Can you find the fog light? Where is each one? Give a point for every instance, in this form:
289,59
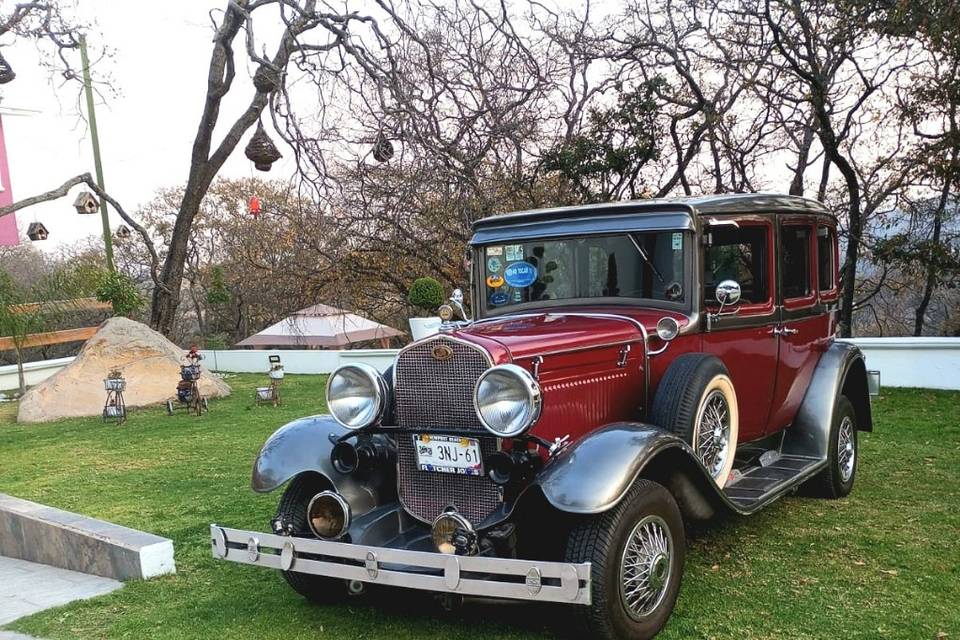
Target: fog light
328,515
453,534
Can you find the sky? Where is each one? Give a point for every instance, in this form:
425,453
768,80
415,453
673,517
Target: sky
160,56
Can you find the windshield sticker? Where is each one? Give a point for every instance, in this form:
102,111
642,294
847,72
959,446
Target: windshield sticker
494,264
499,298
495,282
514,252
519,274
517,295
677,242
494,251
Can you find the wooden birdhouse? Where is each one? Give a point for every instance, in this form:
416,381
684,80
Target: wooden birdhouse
123,232
36,231
86,203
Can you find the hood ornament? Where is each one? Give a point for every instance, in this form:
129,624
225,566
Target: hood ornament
453,315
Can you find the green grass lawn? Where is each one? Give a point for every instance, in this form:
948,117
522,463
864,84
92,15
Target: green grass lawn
884,563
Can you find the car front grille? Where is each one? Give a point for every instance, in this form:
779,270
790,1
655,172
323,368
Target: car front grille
434,394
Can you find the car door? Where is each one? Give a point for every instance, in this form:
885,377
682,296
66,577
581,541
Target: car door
803,321
742,337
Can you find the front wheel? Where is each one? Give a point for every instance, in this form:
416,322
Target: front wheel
292,513
636,551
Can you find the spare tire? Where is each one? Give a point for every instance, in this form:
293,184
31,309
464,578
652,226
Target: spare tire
696,400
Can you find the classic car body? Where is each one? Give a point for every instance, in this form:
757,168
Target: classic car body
640,399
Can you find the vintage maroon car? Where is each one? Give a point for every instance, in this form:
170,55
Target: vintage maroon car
631,366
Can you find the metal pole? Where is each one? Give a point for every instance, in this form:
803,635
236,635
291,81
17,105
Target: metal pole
95,139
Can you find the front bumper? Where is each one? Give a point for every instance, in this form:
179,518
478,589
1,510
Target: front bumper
465,575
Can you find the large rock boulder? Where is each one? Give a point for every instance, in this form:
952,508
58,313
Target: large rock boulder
149,362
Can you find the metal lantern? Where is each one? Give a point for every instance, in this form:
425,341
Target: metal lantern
86,203
261,150
382,148
123,232
36,231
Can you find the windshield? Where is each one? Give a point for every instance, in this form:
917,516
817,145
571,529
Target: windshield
646,265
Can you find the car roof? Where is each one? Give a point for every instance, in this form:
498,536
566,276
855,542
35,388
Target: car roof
745,203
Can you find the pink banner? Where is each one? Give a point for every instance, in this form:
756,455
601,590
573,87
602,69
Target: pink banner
8,223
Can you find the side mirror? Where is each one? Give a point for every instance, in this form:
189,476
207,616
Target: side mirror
728,293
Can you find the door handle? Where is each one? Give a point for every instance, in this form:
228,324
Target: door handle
783,331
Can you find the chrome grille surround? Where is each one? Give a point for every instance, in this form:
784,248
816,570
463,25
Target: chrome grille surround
433,395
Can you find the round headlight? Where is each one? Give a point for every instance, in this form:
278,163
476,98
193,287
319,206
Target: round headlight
356,395
507,400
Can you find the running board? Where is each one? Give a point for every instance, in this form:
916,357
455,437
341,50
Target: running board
760,485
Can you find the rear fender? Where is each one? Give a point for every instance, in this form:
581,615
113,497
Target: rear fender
303,446
593,474
841,371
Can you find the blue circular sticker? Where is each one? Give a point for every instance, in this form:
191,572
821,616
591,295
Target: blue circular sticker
499,298
494,265
520,274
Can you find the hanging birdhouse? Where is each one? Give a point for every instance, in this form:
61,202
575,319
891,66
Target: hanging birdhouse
7,74
123,232
266,80
36,231
255,207
86,203
382,148
261,150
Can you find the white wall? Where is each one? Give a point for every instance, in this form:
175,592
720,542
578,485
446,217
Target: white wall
296,360
933,363
33,372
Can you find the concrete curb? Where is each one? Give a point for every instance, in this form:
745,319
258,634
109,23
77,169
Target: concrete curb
34,532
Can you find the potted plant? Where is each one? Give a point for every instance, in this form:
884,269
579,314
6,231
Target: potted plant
114,381
426,294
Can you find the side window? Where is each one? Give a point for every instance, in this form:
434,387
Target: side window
739,254
795,261
826,258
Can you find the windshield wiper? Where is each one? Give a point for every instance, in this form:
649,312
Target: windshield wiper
646,258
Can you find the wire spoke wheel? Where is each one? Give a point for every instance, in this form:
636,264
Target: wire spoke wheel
645,567
846,449
712,436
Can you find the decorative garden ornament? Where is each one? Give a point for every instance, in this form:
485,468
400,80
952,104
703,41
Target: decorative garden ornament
36,231
261,150
382,148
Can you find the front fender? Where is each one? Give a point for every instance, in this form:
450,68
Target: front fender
595,472
303,446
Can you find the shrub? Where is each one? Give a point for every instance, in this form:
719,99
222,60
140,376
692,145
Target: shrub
121,292
426,294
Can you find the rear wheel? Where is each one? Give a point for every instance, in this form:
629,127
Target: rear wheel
836,480
696,400
292,512
636,551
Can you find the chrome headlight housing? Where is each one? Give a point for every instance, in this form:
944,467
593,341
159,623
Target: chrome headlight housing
357,395
507,400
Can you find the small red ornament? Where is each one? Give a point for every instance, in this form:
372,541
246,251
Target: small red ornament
255,207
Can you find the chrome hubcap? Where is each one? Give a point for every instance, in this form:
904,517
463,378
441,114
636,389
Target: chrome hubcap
712,438
846,450
645,567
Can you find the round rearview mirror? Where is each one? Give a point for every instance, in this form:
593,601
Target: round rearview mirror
728,292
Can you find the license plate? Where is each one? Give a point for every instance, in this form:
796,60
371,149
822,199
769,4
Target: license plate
448,454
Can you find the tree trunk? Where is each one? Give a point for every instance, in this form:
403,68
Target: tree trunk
931,279
20,375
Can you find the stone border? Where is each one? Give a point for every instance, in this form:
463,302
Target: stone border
38,533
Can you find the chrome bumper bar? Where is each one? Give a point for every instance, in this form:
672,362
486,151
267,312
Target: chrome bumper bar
466,575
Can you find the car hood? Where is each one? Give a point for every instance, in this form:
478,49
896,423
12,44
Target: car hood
531,334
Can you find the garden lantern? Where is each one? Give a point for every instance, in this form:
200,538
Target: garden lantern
86,203
255,208
36,231
123,232
261,150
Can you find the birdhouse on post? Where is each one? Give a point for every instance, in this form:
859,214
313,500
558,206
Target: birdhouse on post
36,231
123,232
86,203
